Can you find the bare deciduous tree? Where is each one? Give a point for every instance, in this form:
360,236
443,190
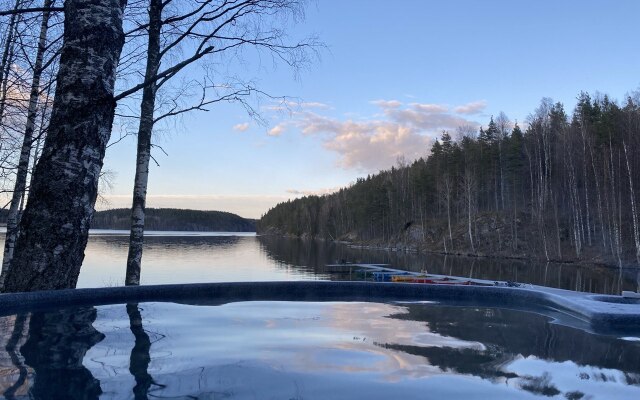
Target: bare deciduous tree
27,144
206,29
54,228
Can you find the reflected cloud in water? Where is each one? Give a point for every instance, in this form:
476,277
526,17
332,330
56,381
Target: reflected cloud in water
310,350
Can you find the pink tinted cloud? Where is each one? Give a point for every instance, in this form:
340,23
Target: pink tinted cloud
474,107
401,130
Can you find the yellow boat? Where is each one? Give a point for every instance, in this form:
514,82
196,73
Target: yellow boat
406,278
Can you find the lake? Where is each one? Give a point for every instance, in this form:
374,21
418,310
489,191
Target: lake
179,257
309,350
298,350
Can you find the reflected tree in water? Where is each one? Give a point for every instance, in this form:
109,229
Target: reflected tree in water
12,350
508,335
58,341
541,385
140,354
313,255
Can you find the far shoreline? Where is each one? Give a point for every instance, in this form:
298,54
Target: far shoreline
414,250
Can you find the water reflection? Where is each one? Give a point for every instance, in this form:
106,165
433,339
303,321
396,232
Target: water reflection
55,349
316,254
309,350
16,387
140,354
219,257
510,334
185,258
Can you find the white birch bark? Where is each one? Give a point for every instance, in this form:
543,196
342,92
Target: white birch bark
25,152
469,194
54,228
634,213
143,156
7,56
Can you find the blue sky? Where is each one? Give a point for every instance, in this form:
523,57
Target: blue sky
392,76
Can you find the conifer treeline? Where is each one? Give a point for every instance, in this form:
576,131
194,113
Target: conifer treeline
564,188
169,219
175,219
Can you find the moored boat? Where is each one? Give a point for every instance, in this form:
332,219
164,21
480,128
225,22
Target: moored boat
434,280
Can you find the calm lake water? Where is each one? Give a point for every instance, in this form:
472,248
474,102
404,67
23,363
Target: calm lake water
177,257
298,350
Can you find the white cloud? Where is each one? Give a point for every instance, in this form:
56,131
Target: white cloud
372,144
429,117
430,108
474,107
276,130
367,145
387,103
241,127
314,104
376,145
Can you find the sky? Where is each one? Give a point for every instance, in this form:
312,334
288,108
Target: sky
392,75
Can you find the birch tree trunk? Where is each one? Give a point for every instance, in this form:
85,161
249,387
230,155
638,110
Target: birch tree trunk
54,228
143,155
586,193
634,213
25,152
447,192
469,194
596,179
7,56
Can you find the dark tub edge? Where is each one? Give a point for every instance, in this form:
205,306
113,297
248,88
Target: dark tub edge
601,317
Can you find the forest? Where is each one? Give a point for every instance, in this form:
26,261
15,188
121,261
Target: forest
174,219
561,187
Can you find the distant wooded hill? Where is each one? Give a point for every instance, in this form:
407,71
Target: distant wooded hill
172,219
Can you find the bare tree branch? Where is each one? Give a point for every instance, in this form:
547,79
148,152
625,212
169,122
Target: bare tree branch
30,10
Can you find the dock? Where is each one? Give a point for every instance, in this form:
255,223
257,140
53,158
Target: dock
602,313
384,273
